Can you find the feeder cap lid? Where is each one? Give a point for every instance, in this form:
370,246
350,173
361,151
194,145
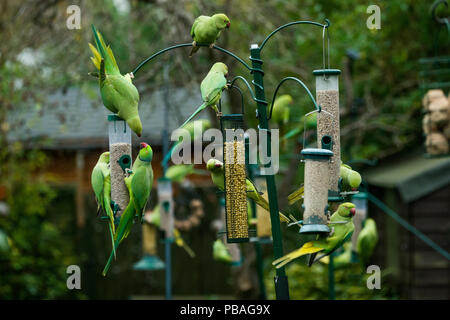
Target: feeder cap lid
327,72
114,117
317,154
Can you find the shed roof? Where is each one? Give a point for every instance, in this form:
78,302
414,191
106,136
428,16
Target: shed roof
70,119
414,174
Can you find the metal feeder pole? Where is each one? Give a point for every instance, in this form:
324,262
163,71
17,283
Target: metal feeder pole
281,280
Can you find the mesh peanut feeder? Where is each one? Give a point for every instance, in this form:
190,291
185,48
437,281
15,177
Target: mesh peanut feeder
327,96
235,178
317,175
120,161
166,202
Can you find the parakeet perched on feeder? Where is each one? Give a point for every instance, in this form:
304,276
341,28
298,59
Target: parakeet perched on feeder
217,175
206,30
351,179
367,240
211,89
101,184
341,225
196,129
220,252
139,184
119,94
155,219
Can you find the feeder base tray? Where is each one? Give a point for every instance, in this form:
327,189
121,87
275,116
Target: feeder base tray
149,263
314,228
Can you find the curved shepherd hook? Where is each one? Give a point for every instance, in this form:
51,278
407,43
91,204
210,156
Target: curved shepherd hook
439,20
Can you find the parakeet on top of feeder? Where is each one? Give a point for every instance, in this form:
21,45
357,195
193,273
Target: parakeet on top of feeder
217,171
341,226
139,184
206,30
211,89
119,94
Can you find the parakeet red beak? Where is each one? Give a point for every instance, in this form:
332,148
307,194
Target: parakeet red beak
228,25
138,134
143,145
353,211
218,165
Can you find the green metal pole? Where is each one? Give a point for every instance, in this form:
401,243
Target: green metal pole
281,281
331,290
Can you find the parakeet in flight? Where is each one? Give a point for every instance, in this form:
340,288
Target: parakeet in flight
206,30
342,227
101,184
119,94
211,89
217,175
139,184
179,172
351,179
367,240
196,129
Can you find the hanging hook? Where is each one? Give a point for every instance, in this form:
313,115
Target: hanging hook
439,20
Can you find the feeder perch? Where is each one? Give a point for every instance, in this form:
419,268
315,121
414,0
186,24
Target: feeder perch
120,161
235,178
166,201
327,96
150,260
317,172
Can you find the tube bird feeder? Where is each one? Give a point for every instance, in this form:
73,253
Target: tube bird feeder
165,200
317,175
328,132
120,161
150,260
235,178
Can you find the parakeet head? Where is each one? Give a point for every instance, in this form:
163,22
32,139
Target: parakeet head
214,165
220,67
221,21
146,152
347,210
135,125
104,157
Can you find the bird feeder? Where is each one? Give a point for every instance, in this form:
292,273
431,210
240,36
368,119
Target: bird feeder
150,260
120,161
327,96
263,224
317,176
166,202
235,178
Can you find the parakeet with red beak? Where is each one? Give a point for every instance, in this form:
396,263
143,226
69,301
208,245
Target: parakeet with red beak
211,88
119,95
139,184
342,227
216,168
206,30
351,179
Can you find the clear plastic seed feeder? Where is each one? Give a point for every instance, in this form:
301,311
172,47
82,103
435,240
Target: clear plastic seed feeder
327,96
317,174
165,200
120,161
235,178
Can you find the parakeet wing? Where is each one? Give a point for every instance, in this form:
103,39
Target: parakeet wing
97,179
140,186
212,86
195,24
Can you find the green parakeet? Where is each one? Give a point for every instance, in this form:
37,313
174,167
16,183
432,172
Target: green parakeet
196,129
139,184
305,123
296,195
351,179
340,260
155,219
216,168
281,110
206,30
367,240
341,225
101,184
118,93
220,252
211,88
